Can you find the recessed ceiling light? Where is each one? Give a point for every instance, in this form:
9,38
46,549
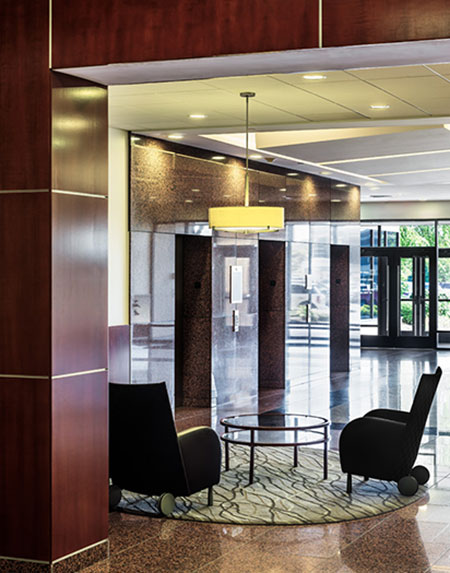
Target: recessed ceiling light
188,201
380,106
195,190
292,174
198,116
341,186
175,136
336,200
218,157
314,77
283,189
255,156
261,201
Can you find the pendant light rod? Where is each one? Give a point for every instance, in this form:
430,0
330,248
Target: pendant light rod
247,95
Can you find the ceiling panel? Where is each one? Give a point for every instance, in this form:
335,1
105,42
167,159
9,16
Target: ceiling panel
443,69
420,92
359,96
299,79
386,165
436,177
430,191
388,73
360,147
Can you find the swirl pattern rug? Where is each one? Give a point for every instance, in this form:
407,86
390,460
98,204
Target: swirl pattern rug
281,494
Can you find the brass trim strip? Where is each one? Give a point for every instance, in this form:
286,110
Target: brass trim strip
7,191
82,550
50,18
25,560
25,376
70,374
79,193
320,23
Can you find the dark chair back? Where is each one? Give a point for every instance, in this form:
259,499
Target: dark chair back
144,455
419,414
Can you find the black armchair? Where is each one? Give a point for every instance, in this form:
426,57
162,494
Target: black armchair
384,443
147,456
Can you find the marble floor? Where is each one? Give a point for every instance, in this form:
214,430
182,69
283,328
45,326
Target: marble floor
411,540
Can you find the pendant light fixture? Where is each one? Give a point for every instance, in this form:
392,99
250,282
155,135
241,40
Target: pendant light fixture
246,219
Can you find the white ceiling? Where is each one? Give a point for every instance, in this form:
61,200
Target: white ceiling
324,126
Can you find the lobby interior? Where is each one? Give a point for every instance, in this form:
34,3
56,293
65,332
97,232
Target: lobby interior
103,226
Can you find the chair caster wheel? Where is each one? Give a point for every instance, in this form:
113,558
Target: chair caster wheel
115,495
421,474
408,485
166,503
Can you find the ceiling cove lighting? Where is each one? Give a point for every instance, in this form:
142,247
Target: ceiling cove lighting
314,77
246,219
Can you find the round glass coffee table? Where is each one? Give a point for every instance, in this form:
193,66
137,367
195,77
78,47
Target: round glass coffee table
275,430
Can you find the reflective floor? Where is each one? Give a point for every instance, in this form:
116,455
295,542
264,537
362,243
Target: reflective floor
413,539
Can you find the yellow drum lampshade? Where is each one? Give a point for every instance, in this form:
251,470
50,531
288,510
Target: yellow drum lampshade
241,219
246,218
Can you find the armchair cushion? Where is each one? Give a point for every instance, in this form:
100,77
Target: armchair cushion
369,447
201,453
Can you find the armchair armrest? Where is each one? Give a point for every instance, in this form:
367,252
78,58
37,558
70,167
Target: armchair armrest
201,453
372,447
396,415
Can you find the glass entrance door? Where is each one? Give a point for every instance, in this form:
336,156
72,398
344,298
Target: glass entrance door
414,294
398,297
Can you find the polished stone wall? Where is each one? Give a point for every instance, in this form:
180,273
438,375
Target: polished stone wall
172,187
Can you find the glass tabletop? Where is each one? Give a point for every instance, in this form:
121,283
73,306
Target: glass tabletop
274,421
275,438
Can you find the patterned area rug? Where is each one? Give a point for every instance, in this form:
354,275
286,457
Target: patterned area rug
281,494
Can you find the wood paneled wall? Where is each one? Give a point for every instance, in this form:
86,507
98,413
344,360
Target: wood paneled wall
24,95
79,314
53,294
118,31
92,33
356,22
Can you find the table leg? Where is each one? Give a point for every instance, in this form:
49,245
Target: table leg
252,456
227,453
325,453
296,450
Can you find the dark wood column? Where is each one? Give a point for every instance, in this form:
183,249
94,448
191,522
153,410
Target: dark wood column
53,294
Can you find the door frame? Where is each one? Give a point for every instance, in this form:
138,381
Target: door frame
394,339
